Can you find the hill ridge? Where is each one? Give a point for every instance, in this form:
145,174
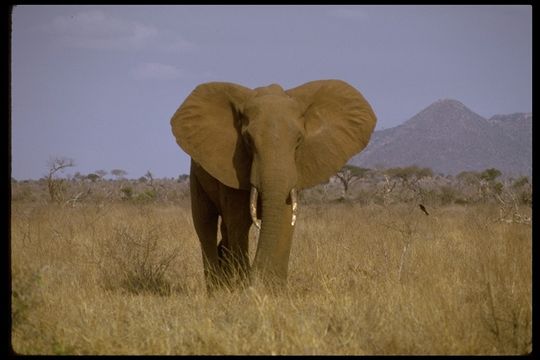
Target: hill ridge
449,138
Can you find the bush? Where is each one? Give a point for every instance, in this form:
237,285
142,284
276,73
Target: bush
127,193
133,261
409,172
147,196
447,194
520,182
490,174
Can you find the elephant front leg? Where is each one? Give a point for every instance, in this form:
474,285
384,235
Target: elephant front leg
233,249
233,254
207,234
205,219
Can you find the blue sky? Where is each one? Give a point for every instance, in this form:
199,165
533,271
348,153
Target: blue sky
99,84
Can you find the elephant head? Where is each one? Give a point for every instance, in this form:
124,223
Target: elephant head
273,142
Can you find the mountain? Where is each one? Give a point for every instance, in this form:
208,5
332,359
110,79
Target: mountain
449,138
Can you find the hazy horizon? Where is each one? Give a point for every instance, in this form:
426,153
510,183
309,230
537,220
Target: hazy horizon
99,84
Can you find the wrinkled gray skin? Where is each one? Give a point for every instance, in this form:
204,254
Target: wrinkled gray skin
268,143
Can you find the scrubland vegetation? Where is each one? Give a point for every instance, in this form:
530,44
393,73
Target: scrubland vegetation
114,267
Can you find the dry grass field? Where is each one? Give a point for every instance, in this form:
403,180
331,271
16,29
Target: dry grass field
125,278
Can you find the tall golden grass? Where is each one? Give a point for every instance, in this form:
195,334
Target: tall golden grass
363,279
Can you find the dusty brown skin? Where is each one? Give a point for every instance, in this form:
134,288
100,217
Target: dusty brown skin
267,139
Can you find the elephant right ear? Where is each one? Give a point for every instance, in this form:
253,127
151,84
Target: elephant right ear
206,127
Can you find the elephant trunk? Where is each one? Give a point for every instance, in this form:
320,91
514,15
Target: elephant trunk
275,238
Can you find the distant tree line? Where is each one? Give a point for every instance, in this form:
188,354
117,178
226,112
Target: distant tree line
403,184
352,184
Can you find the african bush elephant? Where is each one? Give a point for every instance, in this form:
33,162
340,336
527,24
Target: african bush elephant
251,151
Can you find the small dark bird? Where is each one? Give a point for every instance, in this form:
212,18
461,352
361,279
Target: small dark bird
423,208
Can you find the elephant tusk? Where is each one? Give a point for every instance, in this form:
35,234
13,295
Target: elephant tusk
294,202
253,207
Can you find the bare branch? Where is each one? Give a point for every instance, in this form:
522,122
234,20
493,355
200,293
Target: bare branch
58,164
56,186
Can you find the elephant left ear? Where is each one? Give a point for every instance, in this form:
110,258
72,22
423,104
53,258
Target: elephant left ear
338,123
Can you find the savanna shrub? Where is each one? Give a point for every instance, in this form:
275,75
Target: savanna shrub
134,261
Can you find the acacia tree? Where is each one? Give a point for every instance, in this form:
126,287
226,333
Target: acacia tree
100,173
408,178
488,183
409,174
93,177
484,182
349,174
55,185
490,174
118,173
